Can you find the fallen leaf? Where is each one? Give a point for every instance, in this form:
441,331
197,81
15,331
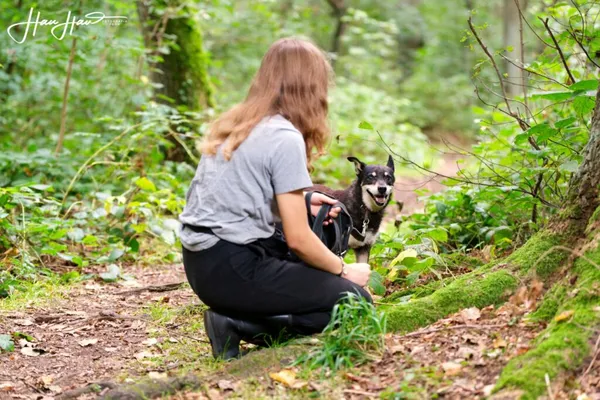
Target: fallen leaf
150,341
7,387
173,340
563,316
46,380
451,368
31,352
499,342
87,342
143,354
55,388
111,349
285,376
399,348
24,322
522,349
157,375
224,384
465,352
470,314
416,350
487,390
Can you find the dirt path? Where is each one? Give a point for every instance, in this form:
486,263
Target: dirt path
405,186
98,332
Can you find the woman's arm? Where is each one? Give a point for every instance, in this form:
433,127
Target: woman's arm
306,245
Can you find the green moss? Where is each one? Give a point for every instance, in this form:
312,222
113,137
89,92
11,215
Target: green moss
458,260
563,345
596,216
531,253
549,305
261,361
471,290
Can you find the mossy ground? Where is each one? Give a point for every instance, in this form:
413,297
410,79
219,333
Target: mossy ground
566,341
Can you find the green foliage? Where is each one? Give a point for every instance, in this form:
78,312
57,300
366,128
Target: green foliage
355,332
6,343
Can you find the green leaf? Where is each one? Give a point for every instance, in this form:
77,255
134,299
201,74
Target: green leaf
21,335
409,253
40,187
6,343
563,123
521,138
569,166
366,126
591,84
115,254
554,96
437,234
584,104
112,273
145,184
376,283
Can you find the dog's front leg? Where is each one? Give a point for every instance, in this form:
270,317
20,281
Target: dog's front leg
362,254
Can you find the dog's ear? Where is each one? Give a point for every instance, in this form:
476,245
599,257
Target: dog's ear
359,166
390,163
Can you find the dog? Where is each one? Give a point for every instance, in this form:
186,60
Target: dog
366,199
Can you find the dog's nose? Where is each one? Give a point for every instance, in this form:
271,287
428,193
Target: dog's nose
382,189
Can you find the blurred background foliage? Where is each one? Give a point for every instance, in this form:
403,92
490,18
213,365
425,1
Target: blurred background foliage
103,182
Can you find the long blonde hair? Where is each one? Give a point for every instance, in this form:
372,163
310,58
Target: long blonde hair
292,80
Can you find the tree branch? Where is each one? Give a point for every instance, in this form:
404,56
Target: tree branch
562,56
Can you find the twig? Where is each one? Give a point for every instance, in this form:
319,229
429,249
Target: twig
589,368
445,328
562,56
63,112
158,288
91,387
362,393
487,52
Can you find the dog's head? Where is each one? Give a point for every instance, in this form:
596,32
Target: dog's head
376,183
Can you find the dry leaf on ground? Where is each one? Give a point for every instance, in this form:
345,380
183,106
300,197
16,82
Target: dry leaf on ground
285,376
87,342
470,314
563,316
451,368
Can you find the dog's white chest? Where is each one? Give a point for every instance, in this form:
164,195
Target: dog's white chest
370,238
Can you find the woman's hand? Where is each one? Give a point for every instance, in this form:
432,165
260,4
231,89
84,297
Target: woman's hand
317,200
358,273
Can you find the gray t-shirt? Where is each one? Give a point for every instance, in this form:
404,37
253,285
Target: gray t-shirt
236,198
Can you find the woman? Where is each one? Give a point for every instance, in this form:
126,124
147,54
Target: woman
252,174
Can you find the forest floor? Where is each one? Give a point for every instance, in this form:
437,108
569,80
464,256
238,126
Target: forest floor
124,332
97,332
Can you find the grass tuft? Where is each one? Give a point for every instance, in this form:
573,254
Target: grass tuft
355,333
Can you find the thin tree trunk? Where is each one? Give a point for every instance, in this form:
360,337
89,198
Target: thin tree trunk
512,39
63,112
339,10
182,73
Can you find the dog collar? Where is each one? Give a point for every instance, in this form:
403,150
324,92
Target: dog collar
360,236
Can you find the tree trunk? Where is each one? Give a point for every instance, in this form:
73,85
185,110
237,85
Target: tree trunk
182,72
512,40
339,10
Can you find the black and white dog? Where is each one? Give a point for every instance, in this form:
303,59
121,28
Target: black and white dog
366,199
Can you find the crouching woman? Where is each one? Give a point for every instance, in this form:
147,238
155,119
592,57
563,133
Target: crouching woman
252,174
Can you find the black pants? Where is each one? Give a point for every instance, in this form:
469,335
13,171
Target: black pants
254,280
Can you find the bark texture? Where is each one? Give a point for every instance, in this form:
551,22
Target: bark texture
180,63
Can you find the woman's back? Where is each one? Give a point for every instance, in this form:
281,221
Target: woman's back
235,198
